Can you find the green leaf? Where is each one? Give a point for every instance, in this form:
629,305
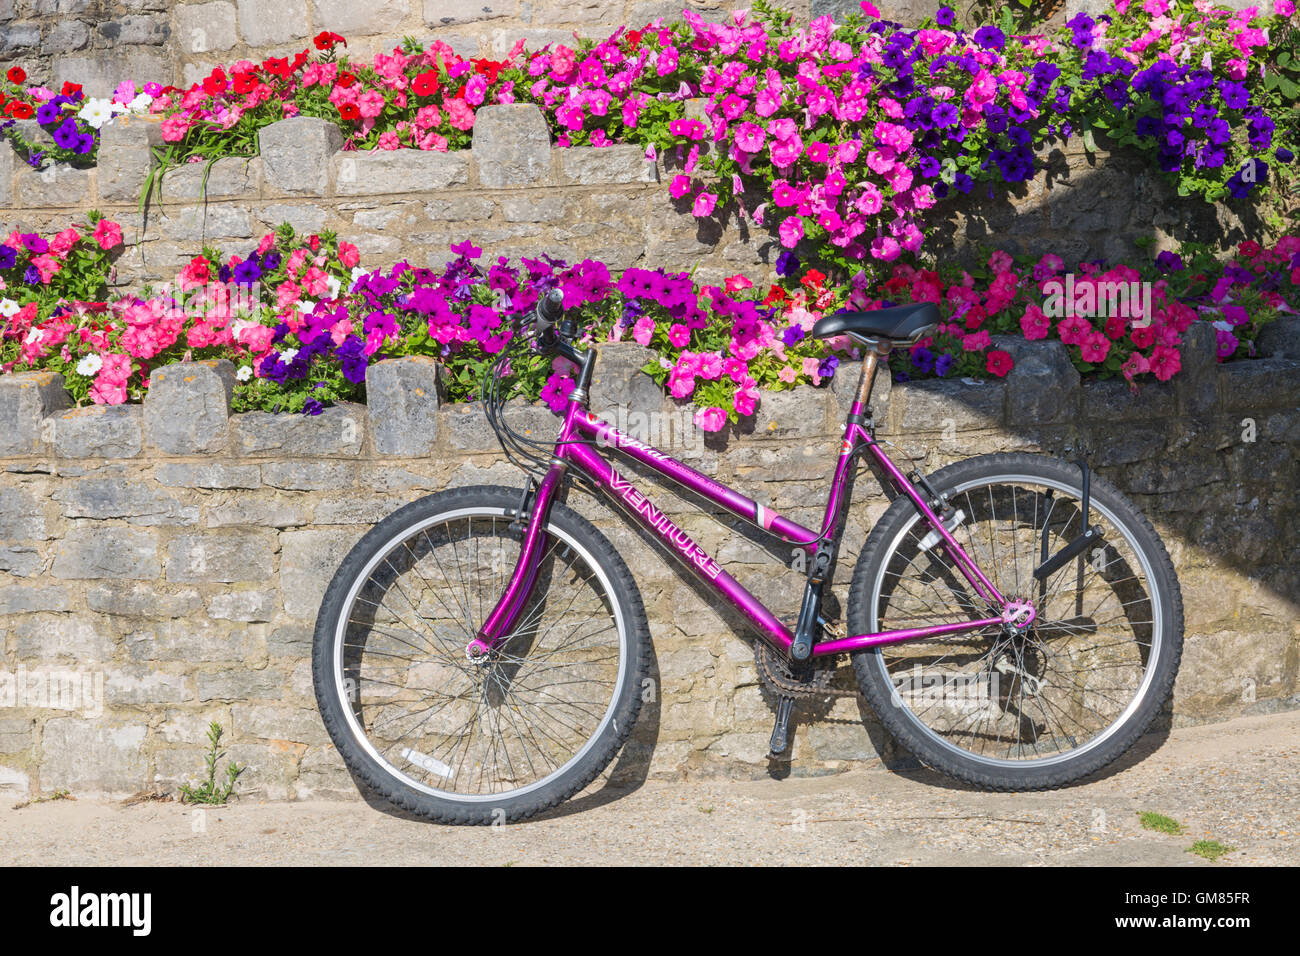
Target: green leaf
1089,143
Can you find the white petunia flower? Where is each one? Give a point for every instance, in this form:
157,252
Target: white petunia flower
245,373
334,286
90,365
306,306
96,112
32,336
141,103
288,355
8,307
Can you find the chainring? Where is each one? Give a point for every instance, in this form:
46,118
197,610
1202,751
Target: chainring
793,679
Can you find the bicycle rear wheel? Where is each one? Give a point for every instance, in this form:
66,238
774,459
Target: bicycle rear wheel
1006,710
489,740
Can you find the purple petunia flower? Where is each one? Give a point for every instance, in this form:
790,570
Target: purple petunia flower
946,17
945,114
1170,262
990,38
943,364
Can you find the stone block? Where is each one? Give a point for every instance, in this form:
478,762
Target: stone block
22,599
206,221
109,553
21,517
1279,339
187,407
231,176
55,185
296,153
85,756
246,606
939,404
308,560
80,637
125,157
402,399
206,27
392,172
445,13
605,165
352,19
269,22
336,432
512,146
26,400
225,556
1043,385
197,639
186,475
142,600
137,502
99,431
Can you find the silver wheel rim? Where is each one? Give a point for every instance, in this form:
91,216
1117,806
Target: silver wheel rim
1156,643
363,740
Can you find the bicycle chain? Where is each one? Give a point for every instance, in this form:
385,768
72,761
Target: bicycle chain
783,678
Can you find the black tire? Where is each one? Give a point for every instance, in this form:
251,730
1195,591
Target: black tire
865,604
340,716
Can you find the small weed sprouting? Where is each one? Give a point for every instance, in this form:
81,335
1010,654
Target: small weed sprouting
209,791
59,794
1209,849
1160,823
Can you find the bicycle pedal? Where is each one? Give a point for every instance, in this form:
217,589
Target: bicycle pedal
781,729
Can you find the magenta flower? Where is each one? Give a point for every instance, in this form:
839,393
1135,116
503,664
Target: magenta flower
710,419
749,137
704,204
791,231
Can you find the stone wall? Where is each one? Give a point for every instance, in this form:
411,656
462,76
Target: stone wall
176,554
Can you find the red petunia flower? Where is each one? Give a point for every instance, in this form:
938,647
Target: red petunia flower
349,112
998,362
325,40
245,82
216,82
277,66
346,79
426,84
19,110
16,74
71,89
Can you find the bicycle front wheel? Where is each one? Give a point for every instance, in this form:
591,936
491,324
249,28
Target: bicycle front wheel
486,740
1004,708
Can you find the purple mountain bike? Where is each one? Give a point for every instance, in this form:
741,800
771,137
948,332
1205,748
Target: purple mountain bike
482,653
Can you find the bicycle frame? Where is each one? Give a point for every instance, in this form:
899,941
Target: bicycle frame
574,449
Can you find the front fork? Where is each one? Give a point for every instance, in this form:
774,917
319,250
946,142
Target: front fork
503,617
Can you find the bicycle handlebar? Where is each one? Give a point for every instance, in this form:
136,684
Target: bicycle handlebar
549,310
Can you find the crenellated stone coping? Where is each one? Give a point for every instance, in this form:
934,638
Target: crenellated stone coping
186,411
302,157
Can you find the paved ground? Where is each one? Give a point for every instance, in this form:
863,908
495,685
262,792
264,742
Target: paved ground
1237,782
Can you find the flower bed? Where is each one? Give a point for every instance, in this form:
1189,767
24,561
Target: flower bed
843,135
303,320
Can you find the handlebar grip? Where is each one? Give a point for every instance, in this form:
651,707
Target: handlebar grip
549,310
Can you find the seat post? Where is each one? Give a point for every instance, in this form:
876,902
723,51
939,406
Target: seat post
877,349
